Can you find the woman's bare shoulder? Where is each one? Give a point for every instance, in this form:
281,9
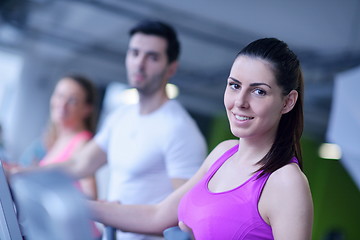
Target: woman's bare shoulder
290,184
287,193
288,175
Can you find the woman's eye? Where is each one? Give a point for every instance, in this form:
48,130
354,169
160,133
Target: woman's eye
234,85
73,101
260,92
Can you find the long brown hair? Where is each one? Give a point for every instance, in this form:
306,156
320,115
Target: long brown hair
288,74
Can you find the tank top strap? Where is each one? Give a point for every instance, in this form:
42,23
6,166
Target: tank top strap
84,135
294,160
217,164
80,136
262,180
69,148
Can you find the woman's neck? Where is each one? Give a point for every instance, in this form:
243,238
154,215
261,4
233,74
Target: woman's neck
253,150
66,131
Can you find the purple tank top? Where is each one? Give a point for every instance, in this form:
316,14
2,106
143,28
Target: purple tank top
230,215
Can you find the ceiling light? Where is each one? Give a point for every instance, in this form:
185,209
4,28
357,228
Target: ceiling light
330,151
172,90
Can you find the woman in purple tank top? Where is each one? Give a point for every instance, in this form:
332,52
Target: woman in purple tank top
251,187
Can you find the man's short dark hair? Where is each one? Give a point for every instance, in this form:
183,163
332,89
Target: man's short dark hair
163,30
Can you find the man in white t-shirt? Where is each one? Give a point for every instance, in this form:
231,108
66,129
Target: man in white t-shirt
152,147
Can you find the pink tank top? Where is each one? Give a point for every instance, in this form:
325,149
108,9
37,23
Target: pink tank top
69,149
230,215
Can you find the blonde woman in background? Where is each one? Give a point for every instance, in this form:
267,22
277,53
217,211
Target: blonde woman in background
72,123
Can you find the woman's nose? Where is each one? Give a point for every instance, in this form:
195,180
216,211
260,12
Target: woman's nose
242,100
62,105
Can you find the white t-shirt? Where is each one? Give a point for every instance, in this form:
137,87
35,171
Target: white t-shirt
145,151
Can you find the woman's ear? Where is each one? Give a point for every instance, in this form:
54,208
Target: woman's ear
290,101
